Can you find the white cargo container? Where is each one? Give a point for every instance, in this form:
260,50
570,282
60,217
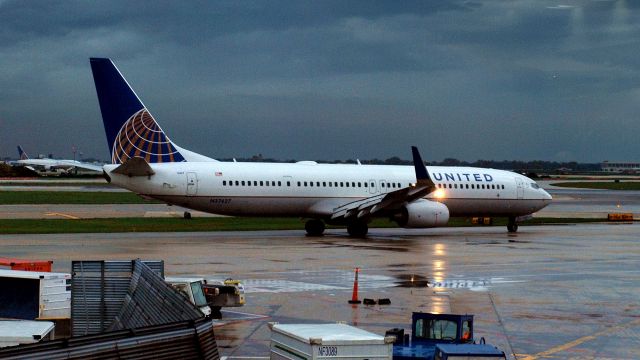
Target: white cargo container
327,341
31,295
18,332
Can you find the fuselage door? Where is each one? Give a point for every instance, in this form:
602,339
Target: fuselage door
192,184
519,188
382,186
372,186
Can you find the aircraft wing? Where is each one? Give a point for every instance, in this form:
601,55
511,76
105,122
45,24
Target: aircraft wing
64,164
394,200
78,164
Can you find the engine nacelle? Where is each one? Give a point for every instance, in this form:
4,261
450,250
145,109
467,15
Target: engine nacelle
422,214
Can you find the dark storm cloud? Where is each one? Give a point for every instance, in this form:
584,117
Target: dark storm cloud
332,79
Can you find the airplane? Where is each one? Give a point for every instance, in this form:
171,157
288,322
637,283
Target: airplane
52,164
145,161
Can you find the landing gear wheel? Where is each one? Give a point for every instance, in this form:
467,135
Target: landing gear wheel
187,215
314,227
357,229
512,225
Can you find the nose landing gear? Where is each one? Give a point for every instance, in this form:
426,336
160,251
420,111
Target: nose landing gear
512,225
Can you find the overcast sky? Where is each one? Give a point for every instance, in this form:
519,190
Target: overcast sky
321,80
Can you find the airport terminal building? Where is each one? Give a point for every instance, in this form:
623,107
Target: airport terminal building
620,167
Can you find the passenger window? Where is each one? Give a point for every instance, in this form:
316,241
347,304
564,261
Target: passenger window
382,184
353,184
359,184
330,183
467,186
455,186
243,183
298,183
341,184
237,183
450,186
366,185
311,183
502,187
347,183
255,183
388,185
399,185
324,184
373,184
224,182
305,183
248,183
262,184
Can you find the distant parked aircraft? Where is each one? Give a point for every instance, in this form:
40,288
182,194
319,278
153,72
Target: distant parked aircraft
52,164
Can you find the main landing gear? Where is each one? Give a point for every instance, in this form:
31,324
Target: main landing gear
314,227
357,229
512,225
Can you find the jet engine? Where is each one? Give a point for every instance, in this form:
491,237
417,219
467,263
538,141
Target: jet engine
422,214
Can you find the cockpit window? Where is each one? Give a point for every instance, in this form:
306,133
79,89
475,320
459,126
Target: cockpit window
535,186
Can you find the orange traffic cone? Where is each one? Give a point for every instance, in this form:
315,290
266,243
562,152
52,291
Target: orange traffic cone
354,297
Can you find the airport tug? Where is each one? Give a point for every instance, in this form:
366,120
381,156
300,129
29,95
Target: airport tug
441,337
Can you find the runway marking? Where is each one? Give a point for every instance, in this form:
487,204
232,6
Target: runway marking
63,215
579,341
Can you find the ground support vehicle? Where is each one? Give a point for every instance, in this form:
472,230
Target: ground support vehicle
219,294
440,337
192,289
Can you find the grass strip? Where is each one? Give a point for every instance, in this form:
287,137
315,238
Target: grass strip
605,185
112,225
25,184
70,197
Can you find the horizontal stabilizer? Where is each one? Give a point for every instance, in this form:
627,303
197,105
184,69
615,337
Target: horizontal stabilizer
135,166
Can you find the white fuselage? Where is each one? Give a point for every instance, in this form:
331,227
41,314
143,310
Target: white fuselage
307,189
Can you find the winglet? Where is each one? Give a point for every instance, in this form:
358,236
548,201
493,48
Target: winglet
418,164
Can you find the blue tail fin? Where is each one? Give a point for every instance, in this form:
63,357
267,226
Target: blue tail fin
131,130
22,154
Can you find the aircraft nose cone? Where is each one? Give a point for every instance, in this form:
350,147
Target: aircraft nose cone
546,196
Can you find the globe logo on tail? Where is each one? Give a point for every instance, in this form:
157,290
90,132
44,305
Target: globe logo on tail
140,136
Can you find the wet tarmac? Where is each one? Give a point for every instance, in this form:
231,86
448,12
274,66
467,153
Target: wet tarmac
559,292
591,203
